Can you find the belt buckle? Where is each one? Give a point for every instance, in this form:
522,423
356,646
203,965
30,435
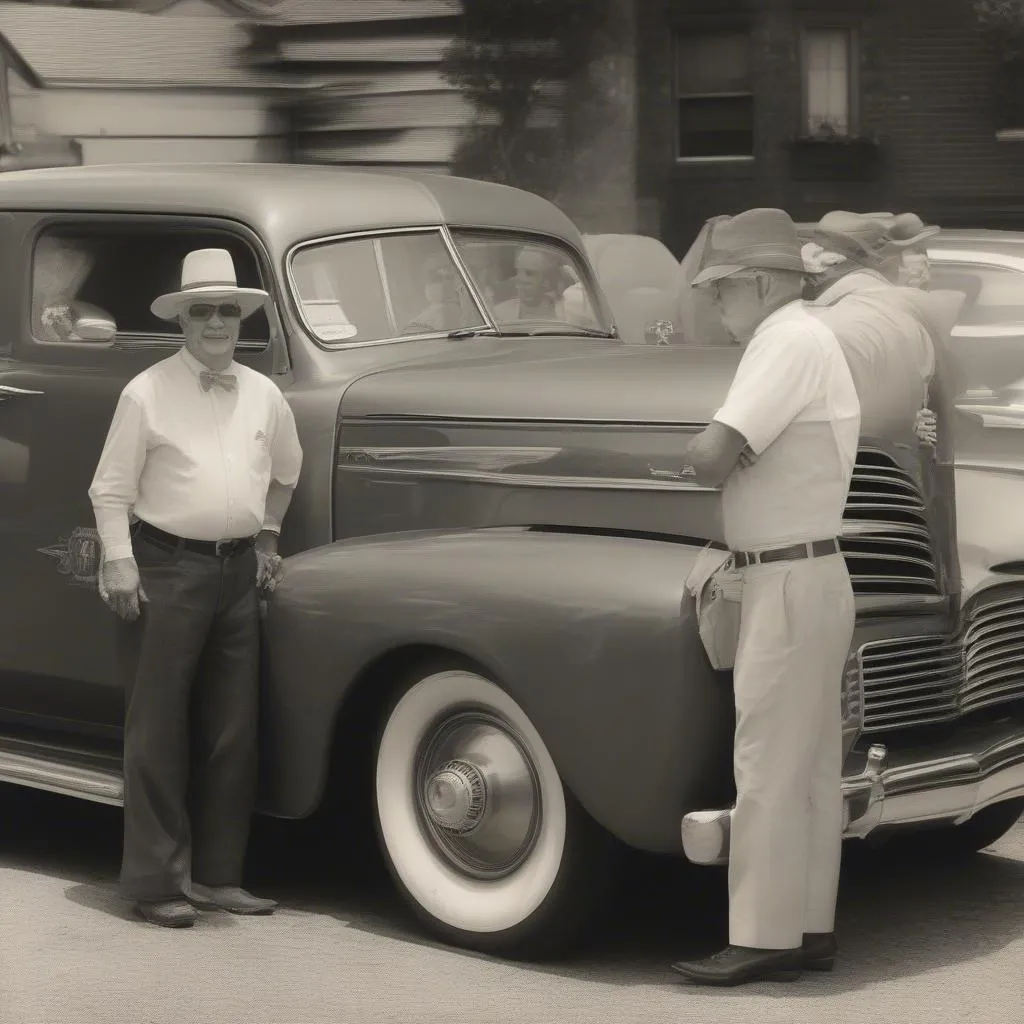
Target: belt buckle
222,548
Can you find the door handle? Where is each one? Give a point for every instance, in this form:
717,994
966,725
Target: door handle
9,391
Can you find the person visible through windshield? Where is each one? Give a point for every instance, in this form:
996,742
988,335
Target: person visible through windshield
534,282
448,302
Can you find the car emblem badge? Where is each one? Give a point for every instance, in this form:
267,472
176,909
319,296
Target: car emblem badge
77,555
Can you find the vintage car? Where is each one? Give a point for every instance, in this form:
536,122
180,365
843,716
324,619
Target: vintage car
483,623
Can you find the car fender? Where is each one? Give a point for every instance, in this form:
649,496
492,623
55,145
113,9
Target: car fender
593,635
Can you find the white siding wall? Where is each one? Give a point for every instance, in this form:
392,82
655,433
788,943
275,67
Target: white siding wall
141,125
151,112
184,151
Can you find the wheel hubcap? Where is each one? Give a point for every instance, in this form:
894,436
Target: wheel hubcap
478,795
457,797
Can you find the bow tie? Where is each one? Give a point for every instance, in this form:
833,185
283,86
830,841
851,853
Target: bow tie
227,381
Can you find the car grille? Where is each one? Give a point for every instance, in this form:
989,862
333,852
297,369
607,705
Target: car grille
885,538
924,680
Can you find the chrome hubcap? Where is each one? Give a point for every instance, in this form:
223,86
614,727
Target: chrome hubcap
478,795
457,797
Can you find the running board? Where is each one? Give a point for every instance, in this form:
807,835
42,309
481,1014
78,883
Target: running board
68,771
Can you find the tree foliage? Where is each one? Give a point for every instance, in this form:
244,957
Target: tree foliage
515,60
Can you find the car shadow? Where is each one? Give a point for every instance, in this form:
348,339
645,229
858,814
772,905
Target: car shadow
896,918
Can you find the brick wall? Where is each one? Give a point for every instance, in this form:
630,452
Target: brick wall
939,111
926,87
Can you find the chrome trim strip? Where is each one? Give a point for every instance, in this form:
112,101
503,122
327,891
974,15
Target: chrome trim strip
530,479
478,299
68,780
389,306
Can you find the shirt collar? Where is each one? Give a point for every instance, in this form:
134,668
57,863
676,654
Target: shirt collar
859,281
782,313
195,367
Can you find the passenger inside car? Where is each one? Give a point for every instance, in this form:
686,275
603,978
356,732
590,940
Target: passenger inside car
537,296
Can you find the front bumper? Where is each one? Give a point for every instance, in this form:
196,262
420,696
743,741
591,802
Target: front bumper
943,784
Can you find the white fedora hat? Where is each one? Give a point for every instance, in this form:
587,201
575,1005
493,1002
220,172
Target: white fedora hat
208,275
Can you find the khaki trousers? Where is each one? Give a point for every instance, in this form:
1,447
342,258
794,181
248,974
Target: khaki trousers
795,632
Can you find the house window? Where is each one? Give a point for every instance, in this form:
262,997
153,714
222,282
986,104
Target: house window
714,96
828,69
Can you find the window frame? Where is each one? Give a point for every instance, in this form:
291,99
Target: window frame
445,230
6,114
126,341
734,28
853,104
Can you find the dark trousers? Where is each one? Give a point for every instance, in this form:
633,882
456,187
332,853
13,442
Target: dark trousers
190,665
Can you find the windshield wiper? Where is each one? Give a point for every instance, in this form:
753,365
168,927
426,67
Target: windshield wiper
552,332
585,332
545,332
473,332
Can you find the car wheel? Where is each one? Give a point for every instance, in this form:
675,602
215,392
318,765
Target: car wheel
975,834
487,845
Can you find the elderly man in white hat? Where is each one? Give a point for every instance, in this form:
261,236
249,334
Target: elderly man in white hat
782,447
197,472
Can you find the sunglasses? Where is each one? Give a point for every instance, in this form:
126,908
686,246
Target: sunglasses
205,310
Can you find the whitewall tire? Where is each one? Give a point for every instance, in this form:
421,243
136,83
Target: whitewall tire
486,844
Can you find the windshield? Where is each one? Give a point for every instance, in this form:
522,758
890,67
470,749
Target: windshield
525,281
403,284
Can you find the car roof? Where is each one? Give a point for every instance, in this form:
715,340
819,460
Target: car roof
983,240
286,203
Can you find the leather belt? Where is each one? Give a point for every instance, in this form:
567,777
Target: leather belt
216,548
812,549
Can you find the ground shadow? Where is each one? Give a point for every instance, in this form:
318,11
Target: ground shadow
897,917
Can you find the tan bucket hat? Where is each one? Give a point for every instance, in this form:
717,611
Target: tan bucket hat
761,239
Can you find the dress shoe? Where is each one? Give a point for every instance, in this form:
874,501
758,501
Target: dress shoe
736,965
167,913
231,898
819,951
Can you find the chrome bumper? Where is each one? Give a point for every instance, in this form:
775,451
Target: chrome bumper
945,784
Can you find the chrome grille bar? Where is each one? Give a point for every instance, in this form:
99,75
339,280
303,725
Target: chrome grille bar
885,538
927,680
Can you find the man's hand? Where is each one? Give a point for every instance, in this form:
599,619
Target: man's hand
269,567
121,589
747,457
926,428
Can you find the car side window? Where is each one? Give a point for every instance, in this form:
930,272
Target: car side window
375,288
995,295
87,275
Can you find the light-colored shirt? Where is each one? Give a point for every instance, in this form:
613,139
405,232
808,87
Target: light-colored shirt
195,463
794,401
887,347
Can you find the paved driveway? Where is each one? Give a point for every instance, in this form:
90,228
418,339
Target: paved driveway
921,943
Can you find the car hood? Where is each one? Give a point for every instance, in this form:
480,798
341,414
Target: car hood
534,379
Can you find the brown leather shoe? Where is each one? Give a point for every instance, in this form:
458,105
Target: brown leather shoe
231,898
175,913
736,965
819,951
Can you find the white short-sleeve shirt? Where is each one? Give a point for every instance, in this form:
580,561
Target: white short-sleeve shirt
794,401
